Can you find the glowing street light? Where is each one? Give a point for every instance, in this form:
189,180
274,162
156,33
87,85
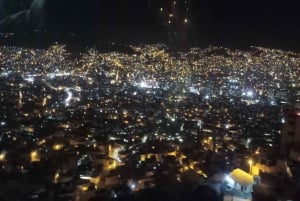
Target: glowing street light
257,152
56,178
57,147
2,156
250,165
34,156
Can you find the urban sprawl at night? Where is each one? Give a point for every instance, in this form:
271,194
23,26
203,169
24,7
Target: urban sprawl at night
143,123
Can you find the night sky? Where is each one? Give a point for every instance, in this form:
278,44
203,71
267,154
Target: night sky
228,23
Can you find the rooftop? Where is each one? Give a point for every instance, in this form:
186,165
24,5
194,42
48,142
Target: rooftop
242,177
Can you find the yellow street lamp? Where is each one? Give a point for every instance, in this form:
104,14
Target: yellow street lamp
56,177
34,155
57,147
2,156
250,165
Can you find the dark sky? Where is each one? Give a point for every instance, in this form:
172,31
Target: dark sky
229,23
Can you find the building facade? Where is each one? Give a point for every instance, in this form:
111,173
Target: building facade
290,139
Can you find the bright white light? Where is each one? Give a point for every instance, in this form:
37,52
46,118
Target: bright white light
229,180
250,93
85,177
199,123
51,75
144,139
69,97
132,186
147,84
5,74
144,84
182,127
29,79
194,90
248,141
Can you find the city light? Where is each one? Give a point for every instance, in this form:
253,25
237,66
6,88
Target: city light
34,156
250,162
57,147
84,188
132,186
56,178
257,151
68,98
144,84
109,112
85,177
2,156
249,93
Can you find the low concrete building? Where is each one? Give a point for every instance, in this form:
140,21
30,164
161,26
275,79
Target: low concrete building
238,186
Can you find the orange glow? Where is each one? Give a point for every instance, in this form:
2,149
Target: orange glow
56,177
2,156
34,156
57,147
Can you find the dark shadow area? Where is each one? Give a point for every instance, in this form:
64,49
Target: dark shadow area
229,24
